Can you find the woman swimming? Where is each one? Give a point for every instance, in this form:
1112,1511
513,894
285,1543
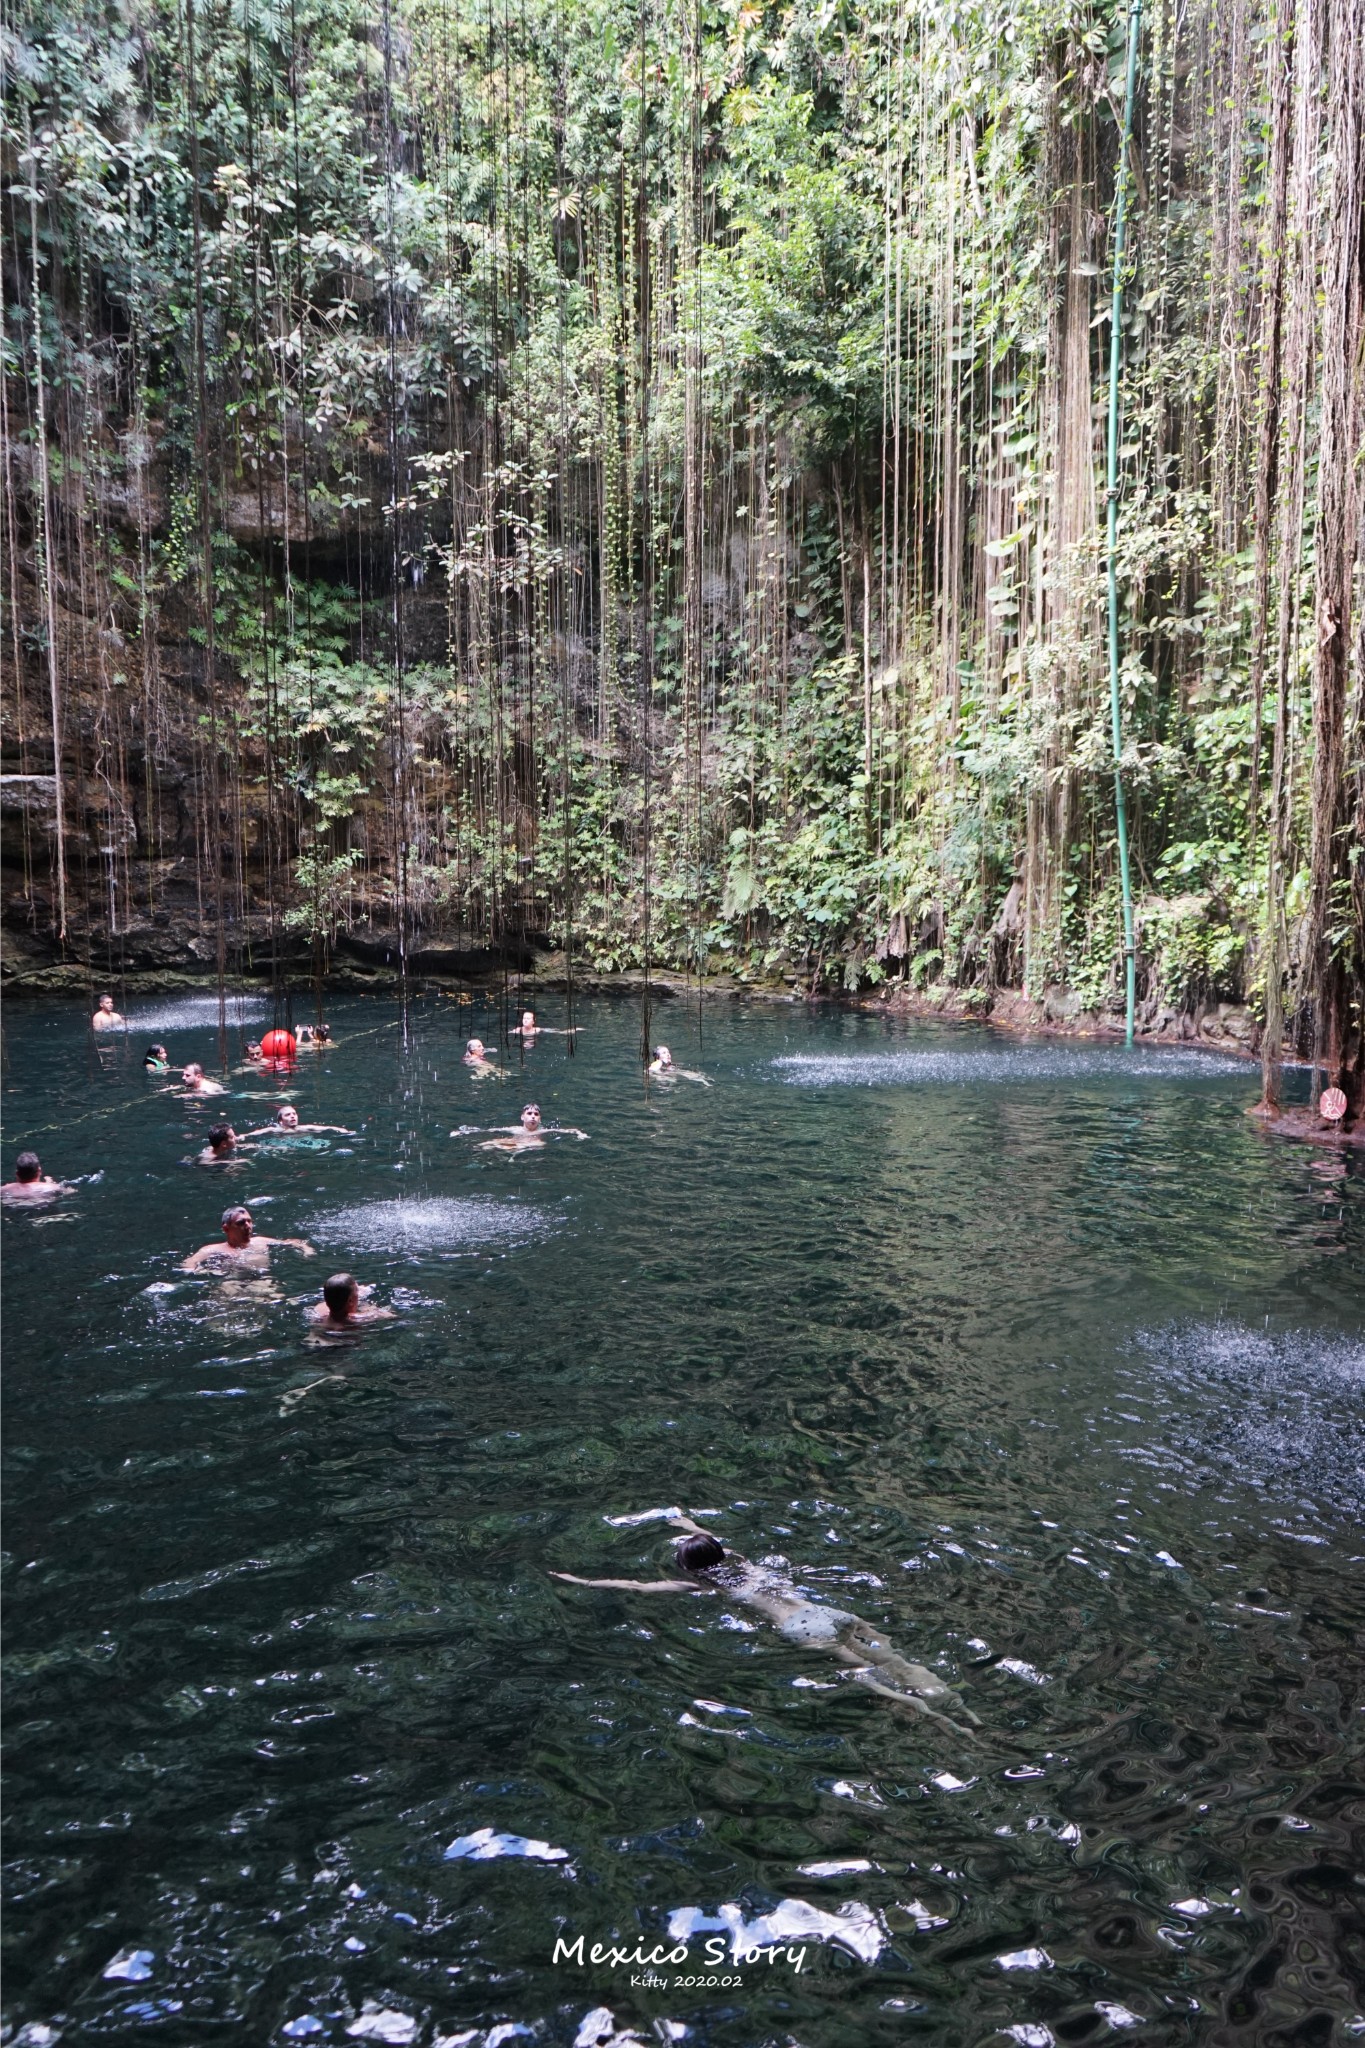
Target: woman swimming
853,1642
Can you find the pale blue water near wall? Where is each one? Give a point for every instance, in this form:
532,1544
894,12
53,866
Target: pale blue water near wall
1043,1358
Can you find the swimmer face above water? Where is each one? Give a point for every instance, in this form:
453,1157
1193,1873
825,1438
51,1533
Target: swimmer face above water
106,1017
474,1050
530,1117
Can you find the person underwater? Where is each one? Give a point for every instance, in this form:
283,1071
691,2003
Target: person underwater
870,1660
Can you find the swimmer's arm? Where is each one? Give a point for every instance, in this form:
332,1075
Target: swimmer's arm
201,1257
293,1244
635,1585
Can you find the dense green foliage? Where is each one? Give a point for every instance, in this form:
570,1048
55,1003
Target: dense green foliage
654,465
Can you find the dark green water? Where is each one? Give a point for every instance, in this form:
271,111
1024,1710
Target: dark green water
1044,1358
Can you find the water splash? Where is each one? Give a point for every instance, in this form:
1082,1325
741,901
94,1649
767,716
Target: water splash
437,1225
1016,1067
196,1013
1278,1411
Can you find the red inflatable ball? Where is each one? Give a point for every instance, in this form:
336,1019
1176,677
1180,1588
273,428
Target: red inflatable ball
278,1045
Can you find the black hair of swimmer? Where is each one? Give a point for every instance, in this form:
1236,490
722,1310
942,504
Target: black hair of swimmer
28,1166
700,1553
236,1214
219,1135
337,1293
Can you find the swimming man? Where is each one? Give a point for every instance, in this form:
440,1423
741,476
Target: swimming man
345,1304
242,1251
221,1146
195,1081
853,1642
287,1120
476,1056
106,1017
30,1183
526,1136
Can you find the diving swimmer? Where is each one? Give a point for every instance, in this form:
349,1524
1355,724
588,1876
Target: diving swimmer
242,1250
195,1081
520,1137
106,1017
30,1183
345,1304
853,1642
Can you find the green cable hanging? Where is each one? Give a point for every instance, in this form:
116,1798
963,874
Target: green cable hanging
1112,513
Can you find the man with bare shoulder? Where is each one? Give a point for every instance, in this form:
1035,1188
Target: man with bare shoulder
106,1017
221,1147
527,1136
287,1122
346,1305
30,1183
242,1251
195,1082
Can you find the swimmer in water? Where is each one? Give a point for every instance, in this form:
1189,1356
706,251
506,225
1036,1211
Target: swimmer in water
156,1060
287,1121
662,1065
242,1251
195,1082
526,1136
314,1038
476,1057
221,1147
106,1017
253,1049
528,1029
30,1183
853,1642
345,1305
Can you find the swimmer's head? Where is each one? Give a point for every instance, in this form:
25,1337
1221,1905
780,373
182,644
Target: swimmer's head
28,1167
222,1138
530,1117
253,1050
322,1031
528,1020
341,1295
287,1117
237,1227
193,1074
154,1053
107,1005
664,1056
474,1049
699,1553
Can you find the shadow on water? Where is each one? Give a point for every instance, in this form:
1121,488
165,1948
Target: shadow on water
1045,1361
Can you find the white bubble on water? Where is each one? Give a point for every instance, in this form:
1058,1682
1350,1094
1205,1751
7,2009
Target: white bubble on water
1277,1412
1014,1066
436,1225
196,1013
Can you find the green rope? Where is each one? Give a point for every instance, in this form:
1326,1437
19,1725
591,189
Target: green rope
1112,510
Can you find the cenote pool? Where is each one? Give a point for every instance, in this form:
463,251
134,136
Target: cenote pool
1041,1357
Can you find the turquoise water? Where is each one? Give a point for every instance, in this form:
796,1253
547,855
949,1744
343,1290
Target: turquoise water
1043,1358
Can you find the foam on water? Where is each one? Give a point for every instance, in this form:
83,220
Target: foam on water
1281,1412
436,1225
196,1013
1017,1066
